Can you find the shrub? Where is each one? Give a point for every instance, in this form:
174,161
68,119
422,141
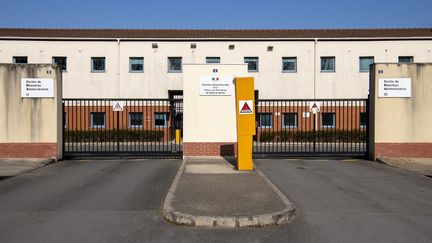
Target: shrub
112,135
309,136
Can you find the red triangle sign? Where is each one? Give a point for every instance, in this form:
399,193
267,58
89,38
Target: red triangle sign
314,106
246,108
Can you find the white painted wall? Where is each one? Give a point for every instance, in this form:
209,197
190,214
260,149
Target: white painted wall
209,118
272,83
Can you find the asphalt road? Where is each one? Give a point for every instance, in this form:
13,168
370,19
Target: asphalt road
120,201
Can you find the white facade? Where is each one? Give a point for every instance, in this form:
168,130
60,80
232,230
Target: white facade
307,82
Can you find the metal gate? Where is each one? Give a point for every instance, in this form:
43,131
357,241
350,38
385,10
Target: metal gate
122,127
326,127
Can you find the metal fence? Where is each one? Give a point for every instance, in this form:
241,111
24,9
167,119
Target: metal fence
319,127
138,127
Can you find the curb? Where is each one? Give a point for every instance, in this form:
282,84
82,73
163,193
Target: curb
284,216
44,162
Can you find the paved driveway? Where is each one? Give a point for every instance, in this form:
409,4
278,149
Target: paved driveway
120,201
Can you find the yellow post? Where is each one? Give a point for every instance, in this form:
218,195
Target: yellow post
177,136
245,104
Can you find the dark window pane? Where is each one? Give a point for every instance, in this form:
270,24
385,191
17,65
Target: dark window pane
98,119
365,63
161,119
174,64
136,63
265,120
98,63
290,120
61,61
328,63
252,63
20,60
212,59
406,59
136,119
289,64
328,120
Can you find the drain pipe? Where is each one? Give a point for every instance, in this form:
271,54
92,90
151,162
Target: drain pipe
118,68
314,67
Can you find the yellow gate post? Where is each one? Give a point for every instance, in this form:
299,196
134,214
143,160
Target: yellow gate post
245,104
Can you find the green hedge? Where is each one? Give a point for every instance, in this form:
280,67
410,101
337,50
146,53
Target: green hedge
308,136
111,135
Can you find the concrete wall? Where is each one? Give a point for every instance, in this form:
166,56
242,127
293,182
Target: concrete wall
30,127
155,81
209,122
400,127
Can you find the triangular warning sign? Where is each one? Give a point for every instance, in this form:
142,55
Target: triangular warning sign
118,106
314,106
245,107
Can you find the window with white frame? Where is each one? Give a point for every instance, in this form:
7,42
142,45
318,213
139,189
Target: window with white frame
265,120
20,60
61,61
289,120
161,119
289,64
135,119
97,120
328,64
364,63
212,59
174,64
328,120
98,64
253,63
406,59
363,119
136,64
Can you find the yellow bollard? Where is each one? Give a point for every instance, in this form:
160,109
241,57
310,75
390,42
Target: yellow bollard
177,135
245,104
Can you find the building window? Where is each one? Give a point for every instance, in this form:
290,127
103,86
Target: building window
406,59
212,59
20,60
61,61
174,64
265,120
289,64
97,120
252,63
161,119
136,64
328,64
364,63
98,64
135,119
363,119
289,120
328,120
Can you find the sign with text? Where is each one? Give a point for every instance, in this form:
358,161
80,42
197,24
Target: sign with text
37,88
394,87
216,86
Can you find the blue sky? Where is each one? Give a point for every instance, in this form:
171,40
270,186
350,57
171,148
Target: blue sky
222,14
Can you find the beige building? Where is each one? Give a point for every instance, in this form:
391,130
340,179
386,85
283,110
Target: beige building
286,64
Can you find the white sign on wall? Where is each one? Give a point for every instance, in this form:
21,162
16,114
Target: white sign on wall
394,87
37,88
245,107
315,107
216,85
118,105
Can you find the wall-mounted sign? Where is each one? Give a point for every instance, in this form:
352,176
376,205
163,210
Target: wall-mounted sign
394,87
315,107
245,107
216,85
37,88
118,105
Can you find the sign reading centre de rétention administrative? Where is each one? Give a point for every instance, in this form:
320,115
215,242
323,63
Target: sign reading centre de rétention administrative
37,88
394,87
216,85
